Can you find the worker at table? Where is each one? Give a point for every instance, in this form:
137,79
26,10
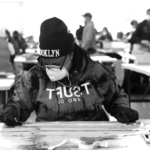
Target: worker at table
66,85
141,37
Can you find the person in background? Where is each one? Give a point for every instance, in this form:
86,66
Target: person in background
141,36
66,85
31,44
89,33
120,36
130,35
134,25
79,33
6,51
20,40
24,44
13,41
136,39
5,64
11,46
105,35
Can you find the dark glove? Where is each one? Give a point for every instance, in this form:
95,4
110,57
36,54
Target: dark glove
126,115
10,116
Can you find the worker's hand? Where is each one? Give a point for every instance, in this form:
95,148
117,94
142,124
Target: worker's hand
9,116
126,115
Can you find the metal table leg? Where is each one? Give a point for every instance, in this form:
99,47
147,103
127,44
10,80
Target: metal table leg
129,87
146,91
6,96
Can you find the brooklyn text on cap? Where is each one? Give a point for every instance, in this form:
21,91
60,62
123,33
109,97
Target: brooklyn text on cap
55,40
50,53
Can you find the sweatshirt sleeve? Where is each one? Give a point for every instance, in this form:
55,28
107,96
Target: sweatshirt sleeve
114,96
22,98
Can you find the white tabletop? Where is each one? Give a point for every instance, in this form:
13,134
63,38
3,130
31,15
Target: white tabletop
103,58
96,58
41,135
6,84
113,46
118,44
144,69
126,55
8,75
32,51
109,51
22,59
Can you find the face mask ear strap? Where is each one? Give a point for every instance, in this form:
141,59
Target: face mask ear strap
40,62
39,58
63,63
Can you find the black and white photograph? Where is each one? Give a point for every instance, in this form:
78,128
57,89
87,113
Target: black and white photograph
74,74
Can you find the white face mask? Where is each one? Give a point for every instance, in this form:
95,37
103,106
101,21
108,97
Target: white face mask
55,73
148,17
104,33
133,29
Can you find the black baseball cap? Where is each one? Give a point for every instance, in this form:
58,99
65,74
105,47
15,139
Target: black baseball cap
87,15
